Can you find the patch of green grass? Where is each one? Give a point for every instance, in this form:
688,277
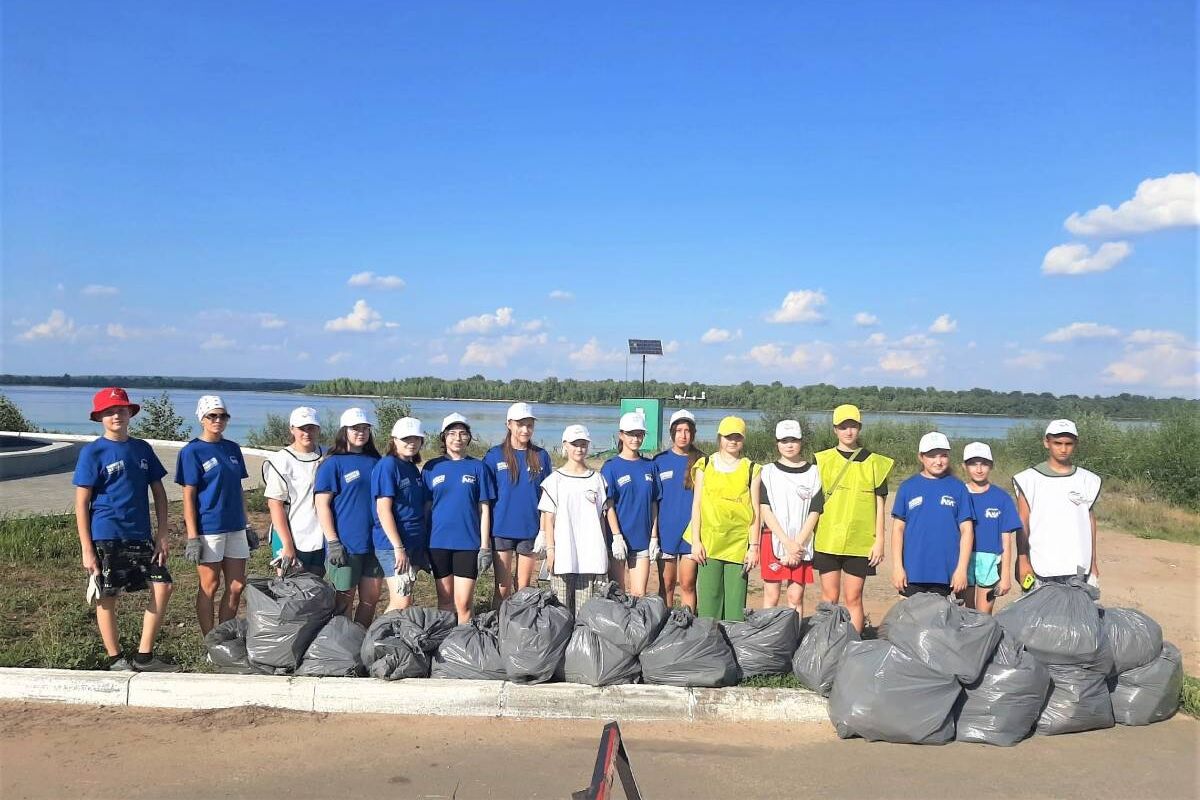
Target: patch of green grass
772,682
42,539
1189,696
1133,508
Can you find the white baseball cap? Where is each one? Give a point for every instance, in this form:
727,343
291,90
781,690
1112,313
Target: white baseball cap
977,450
1062,426
354,416
304,415
632,421
520,411
454,419
207,403
407,426
682,414
788,429
574,433
933,441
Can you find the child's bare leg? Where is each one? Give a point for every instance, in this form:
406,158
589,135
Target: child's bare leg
106,621
156,610
770,594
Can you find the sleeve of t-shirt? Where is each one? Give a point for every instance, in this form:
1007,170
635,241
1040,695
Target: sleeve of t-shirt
1019,490
87,469
157,470
548,500
881,488
275,487
1096,499
487,484
1010,520
327,478
490,459
763,498
817,504
608,479
900,504
547,467
187,468
965,509
241,458
384,478
657,484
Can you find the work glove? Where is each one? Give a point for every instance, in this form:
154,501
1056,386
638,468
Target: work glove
405,580
484,561
335,553
252,538
620,551
655,550
539,545
285,564
192,550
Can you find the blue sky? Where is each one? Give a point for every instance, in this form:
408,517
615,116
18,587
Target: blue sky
869,193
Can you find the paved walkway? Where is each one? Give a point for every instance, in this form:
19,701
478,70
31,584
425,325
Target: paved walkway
53,493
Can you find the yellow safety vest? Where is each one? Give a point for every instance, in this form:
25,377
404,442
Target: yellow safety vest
725,510
847,525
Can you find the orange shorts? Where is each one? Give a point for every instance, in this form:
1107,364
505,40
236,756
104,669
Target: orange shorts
773,571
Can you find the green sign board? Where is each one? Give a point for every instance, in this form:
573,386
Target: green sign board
652,410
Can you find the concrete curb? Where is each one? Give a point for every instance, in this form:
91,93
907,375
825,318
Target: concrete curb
423,697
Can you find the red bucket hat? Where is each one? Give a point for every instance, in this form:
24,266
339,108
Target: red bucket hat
111,398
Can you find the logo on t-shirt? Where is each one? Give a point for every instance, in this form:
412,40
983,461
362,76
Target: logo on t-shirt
468,478
991,513
233,459
350,476
666,475
916,501
404,483
115,468
649,478
624,479
1076,498
144,464
438,480
804,492
591,495
208,465
503,465
947,500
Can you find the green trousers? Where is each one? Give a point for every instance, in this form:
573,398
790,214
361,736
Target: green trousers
721,590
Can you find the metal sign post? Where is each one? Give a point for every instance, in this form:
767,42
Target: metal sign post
610,758
643,348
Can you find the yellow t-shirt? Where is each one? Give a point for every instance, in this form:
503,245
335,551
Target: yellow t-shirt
725,510
847,525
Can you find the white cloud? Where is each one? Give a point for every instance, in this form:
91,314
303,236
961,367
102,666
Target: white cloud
876,340
909,364
337,357
57,326
800,306
1032,359
118,331
913,341
1147,336
591,354
944,324
496,353
485,323
440,358
1167,202
270,321
217,341
561,295
865,320
302,356
670,347
362,318
373,281
98,290
1078,259
533,325
1167,365
1081,330
718,335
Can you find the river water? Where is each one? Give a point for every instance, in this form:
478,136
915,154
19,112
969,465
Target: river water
66,409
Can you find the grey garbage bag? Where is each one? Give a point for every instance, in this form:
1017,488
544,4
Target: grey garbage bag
1002,707
534,631
622,620
471,651
1058,623
399,644
765,642
1078,701
884,695
226,645
1149,693
949,638
593,660
690,651
337,650
1134,639
816,659
283,615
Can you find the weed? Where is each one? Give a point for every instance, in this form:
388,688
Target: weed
1189,696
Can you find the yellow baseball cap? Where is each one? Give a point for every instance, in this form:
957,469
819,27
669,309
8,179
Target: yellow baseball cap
731,425
846,412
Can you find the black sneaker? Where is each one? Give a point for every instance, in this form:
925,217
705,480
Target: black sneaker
155,664
121,665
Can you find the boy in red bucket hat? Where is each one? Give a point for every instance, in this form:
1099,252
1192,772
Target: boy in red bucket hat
112,514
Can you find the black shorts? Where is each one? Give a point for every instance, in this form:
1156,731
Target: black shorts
858,566
920,588
501,544
459,563
128,566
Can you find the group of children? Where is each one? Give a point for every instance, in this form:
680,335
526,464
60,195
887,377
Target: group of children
362,520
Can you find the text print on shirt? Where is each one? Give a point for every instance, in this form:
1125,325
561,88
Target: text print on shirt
916,501
947,500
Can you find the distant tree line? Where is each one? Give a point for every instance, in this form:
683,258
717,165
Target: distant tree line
772,397
157,382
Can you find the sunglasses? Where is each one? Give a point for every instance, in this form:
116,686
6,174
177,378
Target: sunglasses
216,417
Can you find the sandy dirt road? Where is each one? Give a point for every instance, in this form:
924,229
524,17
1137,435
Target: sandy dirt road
58,752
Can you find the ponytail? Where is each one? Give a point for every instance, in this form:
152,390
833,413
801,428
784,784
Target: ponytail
510,458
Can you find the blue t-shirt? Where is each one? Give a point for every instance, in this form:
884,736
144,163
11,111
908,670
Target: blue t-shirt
457,488
515,515
347,476
675,502
932,509
401,481
216,470
995,514
633,489
119,475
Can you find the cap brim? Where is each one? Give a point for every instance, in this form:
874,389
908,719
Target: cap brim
134,408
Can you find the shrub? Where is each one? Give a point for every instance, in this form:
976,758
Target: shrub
158,420
387,411
11,418
274,433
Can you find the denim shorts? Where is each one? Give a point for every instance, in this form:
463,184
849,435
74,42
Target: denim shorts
524,547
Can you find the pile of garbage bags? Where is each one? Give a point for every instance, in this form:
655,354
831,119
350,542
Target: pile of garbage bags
611,631
1052,662
283,616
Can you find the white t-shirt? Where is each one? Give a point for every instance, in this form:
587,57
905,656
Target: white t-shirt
1060,527
790,494
289,476
577,502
